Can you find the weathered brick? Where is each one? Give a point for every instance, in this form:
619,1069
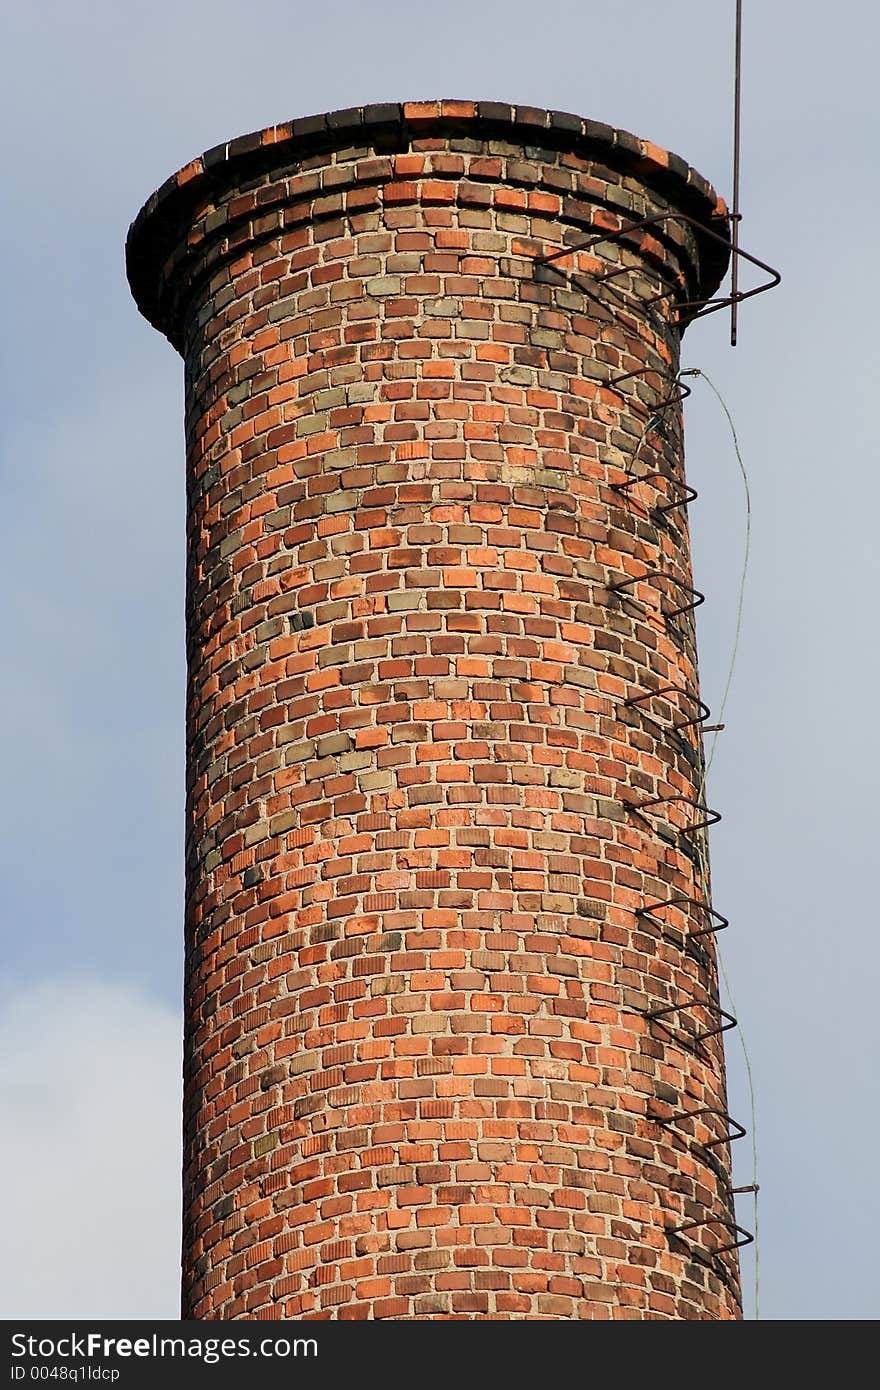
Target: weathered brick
441,1001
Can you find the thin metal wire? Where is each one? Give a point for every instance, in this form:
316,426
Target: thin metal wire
735,215
704,874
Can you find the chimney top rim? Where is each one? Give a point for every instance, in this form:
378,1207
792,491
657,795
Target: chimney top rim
171,203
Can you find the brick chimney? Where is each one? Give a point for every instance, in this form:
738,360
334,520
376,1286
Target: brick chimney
453,1042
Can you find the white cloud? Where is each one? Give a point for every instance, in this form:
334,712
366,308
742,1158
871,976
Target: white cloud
90,1159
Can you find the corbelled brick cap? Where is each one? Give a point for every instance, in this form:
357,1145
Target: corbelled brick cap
166,216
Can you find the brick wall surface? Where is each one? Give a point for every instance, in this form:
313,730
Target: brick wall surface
420,1076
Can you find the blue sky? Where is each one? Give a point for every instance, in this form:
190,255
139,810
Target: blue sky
101,103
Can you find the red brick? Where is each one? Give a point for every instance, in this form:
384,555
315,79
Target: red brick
420,1077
